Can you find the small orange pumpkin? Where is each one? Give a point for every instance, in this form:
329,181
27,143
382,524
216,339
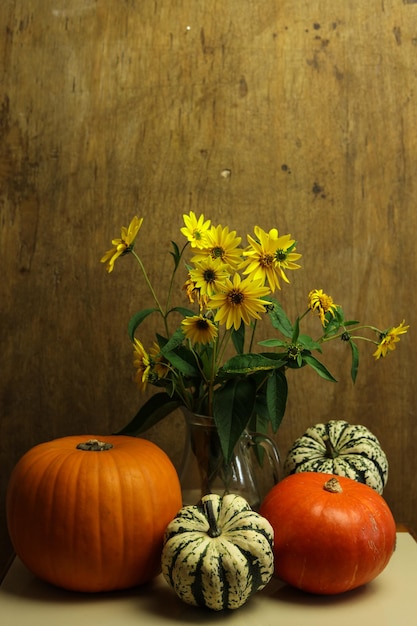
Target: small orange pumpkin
332,534
91,517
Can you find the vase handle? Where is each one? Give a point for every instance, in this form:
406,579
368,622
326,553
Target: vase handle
272,452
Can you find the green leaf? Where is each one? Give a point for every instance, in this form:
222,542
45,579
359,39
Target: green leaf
259,424
137,319
183,310
250,363
296,331
177,354
276,397
279,319
308,343
260,419
333,322
238,338
205,355
154,410
273,343
233,405
173,342
176,255
318,367
331,327
183,360
355,360
161,341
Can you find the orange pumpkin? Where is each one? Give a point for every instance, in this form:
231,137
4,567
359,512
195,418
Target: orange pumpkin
92,518
332,533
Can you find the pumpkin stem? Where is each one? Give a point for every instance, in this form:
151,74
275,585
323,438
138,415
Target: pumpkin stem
332,486
214,530
331,451
94,445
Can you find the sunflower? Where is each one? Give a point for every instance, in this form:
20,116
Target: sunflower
267,255
285,256
142,362
199,329
209,276
194,293
388,339
195,229
159,366
221,244
239,301
321,303
124,244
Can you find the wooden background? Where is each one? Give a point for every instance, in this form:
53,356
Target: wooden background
300,115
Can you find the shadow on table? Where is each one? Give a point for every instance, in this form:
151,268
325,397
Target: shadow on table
157,599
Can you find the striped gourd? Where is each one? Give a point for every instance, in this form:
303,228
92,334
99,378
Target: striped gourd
338,447
217,553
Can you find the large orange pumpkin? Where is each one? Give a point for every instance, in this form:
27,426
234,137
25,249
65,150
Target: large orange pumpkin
332,534
91,519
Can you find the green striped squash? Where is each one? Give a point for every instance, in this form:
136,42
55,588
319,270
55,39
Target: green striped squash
218,553
340,448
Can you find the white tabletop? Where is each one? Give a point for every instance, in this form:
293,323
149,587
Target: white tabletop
389,600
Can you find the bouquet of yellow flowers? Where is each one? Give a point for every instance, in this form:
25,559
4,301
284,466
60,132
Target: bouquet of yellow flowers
230,288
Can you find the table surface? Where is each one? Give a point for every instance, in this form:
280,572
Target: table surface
388,600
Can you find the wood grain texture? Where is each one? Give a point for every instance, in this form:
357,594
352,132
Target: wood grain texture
299,115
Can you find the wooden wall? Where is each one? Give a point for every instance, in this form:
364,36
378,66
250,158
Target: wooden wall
300,115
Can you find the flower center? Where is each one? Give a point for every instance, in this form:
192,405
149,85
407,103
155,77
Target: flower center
326,302
209,276
236,297
217,252
280,255
266,260
125,246
294,351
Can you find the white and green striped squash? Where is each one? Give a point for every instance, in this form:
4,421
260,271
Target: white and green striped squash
217,553
340,448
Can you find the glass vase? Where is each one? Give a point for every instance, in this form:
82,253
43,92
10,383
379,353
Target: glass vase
203,469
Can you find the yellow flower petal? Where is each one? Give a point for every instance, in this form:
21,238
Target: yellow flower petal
388,340
123,244
240,301
195,229
199,329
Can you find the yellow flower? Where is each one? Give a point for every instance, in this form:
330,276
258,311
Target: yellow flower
199,329
159,366
124,244
221,244
322,304
193,292
268,255
285,256
240,301
195,229
209,276
388,340
142,362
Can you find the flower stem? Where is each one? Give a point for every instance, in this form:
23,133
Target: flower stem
304,314
223,345
155,297
210,386
252,336
338,335
173,275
